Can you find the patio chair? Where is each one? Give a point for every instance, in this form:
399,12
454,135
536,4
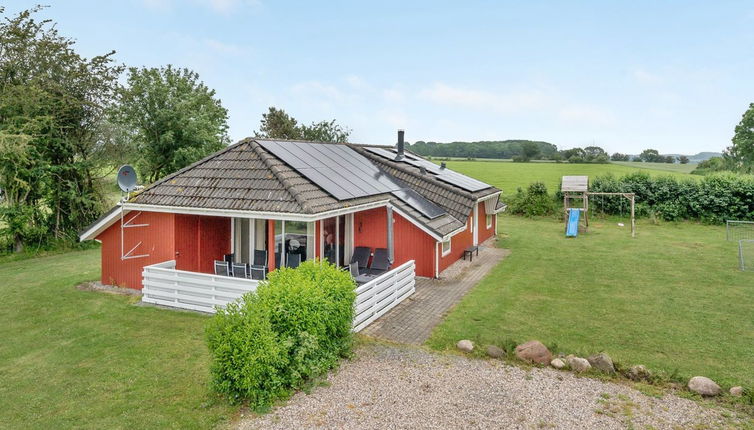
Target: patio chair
260,257
240,270
221,268
380,262
294,260
258,273
361,256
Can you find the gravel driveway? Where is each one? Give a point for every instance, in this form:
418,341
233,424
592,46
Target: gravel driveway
407,387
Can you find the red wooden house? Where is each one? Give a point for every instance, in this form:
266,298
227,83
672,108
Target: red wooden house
326,199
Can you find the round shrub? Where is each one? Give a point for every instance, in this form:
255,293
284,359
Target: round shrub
296,326
533,202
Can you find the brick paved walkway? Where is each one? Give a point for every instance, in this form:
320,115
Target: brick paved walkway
413,319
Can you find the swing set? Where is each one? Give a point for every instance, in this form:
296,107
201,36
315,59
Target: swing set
575,188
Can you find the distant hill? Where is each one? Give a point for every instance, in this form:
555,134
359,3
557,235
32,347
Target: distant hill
481,149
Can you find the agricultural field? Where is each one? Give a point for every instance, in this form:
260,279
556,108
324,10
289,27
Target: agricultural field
508,176
83,359
672,299
665,167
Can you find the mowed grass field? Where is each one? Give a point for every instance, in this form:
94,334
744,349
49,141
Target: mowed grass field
82,359
508,176
672,299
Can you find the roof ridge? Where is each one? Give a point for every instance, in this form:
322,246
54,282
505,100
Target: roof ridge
287,185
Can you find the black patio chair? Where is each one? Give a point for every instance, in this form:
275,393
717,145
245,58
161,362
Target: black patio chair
380,262
258,273
221,268
361,256
294,260
260,257
240,270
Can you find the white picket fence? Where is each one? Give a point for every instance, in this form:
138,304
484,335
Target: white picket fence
378,296
166,286
163,285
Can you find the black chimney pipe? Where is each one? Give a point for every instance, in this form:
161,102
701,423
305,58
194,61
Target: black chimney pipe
400,145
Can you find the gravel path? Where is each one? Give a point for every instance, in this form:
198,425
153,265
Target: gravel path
400,387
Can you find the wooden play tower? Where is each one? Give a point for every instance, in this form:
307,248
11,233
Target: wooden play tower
576,188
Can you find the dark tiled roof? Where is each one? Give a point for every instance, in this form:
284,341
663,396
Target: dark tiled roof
246,177
457,201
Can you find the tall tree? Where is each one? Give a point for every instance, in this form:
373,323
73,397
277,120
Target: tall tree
277,124
171,119
742,149
52,102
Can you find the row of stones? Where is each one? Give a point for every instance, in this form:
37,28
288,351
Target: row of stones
535,351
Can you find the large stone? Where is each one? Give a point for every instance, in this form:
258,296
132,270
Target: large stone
578,364
495,352
603,363
639,373
534,351
704,386
557,363
465,345
737,391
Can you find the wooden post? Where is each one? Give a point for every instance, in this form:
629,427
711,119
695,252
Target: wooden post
586,211
633,221
271,244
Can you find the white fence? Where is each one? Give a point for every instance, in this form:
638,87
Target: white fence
378,296
163,285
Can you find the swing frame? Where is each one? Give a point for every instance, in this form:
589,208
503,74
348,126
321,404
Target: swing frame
577,187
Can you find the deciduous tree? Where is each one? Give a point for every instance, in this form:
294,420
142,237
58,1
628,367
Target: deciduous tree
172,119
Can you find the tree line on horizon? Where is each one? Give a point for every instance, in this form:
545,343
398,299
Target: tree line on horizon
527,150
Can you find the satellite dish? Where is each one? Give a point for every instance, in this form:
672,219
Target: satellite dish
127,178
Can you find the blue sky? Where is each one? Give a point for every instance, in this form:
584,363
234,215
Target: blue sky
671,75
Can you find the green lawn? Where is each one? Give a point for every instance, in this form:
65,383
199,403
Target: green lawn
79,359
673,298
508,176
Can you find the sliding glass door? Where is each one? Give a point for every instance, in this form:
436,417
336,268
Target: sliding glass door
337,239
249,235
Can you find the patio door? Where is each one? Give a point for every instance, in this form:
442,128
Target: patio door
337,239
248,235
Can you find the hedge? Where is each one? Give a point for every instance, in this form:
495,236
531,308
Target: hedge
297,325
714,198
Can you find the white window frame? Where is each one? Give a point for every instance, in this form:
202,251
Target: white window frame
442,247
489,221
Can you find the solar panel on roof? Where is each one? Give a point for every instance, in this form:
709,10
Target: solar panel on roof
345,174
418,202
446,175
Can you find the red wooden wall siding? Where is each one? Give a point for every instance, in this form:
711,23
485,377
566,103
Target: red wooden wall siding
484,232
458,243
370,228
214,241
186,242
157,241
411,243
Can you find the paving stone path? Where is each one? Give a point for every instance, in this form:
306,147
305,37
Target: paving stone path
413,319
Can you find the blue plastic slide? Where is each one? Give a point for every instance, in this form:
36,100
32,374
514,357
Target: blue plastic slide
572,229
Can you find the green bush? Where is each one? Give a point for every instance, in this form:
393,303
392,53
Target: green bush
533,202
714,198
297,325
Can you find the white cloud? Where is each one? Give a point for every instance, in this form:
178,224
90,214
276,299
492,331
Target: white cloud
508,102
